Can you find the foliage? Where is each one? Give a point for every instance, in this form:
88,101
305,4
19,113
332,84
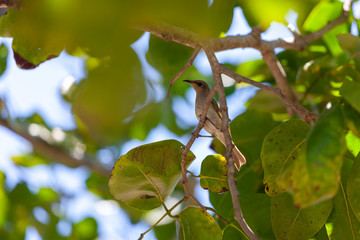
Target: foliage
300,181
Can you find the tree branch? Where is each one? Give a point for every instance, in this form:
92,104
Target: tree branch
187,65
185,37
56,154
218,85
302,112
16,4
279,74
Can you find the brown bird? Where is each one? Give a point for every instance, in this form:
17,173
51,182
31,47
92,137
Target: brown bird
213,119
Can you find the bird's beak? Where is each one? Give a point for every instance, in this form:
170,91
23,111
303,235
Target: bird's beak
188,81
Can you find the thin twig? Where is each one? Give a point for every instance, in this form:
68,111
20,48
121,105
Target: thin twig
218,85
187,65
279,74
227,221
302,112
168,213
56,154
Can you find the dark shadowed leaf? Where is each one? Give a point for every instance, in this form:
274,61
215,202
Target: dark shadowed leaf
290,222
352,118
345,223
279,151
350,91
315,174
108,97
3,58
256,210
166,231
353,189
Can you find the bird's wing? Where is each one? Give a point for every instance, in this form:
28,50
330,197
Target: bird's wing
214,115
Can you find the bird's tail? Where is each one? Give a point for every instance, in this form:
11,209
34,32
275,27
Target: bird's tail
238,157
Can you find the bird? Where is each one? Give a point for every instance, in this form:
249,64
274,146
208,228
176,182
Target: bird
213,119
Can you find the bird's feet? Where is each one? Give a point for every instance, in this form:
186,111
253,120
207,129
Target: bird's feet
199,135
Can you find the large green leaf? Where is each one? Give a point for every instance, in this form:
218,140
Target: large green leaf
108,96
273,10
353,189
315,174
350,91
351,45
279,151
352,118
353,143
196,223
30,45
256,210
321,14
292,223
4,205
3,58
345,223
213,175
146,175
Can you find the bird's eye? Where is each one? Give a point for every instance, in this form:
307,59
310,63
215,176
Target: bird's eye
199,84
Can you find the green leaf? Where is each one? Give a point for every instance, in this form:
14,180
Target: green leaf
85,229
345,223
314,177
166,231
256,70
146,175
256,210
353,143
352,118
290,222
321,14
161,56
95,184
30,49
350,44
214,174
330,38
350,91
265,101
196,223
248,181
47,195
230,233
279,152
105,101
4,204
3,58
322,234
29,160
271,10
353,190
30,55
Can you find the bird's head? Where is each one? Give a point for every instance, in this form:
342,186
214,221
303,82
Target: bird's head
199,85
